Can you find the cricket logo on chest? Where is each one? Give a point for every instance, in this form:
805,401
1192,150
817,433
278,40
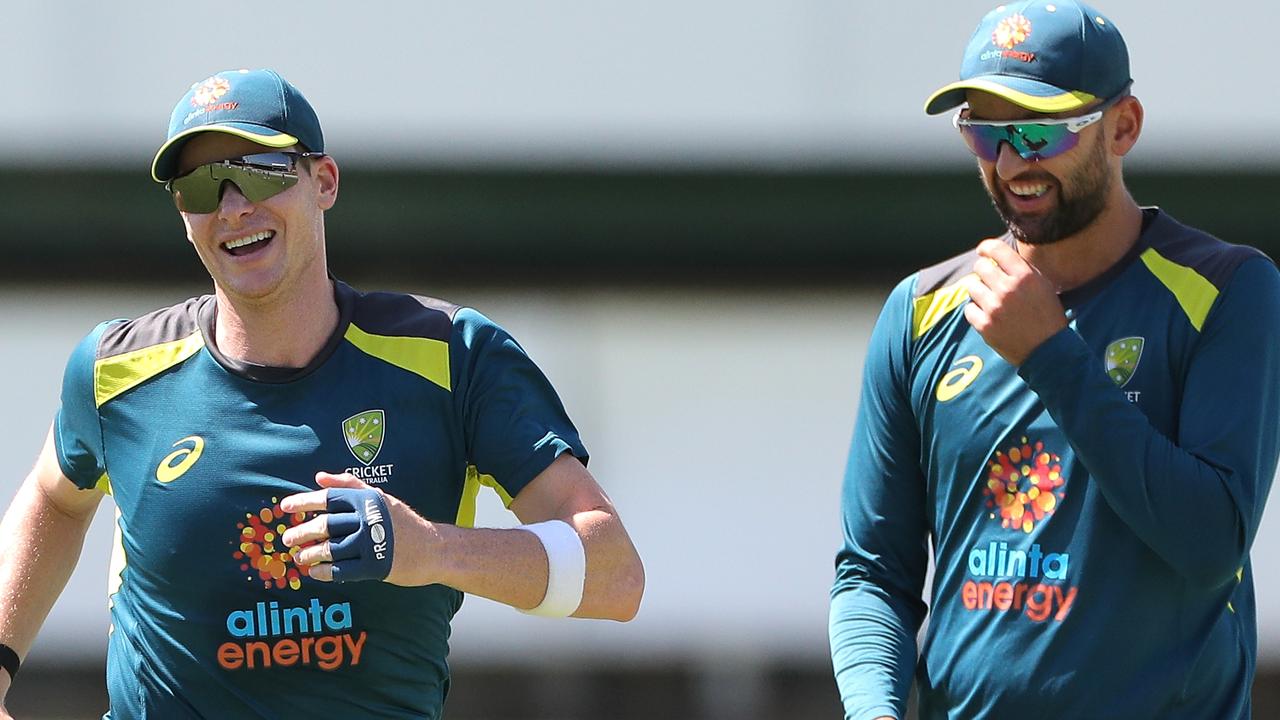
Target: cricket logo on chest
364,433
1122,358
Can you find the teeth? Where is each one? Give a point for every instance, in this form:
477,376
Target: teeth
233,244
1028,189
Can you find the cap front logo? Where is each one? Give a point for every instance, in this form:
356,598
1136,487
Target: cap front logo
1011,31
208,92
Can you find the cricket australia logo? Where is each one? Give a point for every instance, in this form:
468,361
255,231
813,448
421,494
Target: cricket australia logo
1122,359
363,433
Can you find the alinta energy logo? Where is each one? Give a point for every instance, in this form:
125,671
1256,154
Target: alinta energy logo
1024,486
308,633
208,91
205,96
262,554
1011,31
364,433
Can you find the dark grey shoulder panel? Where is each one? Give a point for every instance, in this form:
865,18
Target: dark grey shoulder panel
401,315
439,305
1212,258
945,273
165,325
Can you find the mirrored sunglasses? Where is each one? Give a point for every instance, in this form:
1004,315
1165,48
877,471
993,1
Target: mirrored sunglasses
1033,140
258,177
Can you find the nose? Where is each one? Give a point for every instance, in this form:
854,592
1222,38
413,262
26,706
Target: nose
1009,164
233,204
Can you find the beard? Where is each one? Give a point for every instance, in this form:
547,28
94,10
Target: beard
1081,198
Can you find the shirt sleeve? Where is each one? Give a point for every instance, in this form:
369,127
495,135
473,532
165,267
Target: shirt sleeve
77,435
1196,499
515,424
876,606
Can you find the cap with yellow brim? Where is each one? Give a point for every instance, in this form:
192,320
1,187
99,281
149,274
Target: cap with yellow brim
1048,57
257,105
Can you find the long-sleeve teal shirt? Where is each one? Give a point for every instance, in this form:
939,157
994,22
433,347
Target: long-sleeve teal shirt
1090,512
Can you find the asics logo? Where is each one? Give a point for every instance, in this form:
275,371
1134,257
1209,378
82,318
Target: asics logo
179,461
964,372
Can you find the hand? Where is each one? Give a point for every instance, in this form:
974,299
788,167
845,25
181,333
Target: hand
1012,306
361,532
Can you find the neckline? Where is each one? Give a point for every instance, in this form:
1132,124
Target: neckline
207,319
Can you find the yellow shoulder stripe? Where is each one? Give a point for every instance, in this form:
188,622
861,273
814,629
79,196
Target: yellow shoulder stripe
471,491
1193,292
120,373
928,310
420,356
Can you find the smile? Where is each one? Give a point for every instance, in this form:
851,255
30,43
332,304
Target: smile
1031,190
246,244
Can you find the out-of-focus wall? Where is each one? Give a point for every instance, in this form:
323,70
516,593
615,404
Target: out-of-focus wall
666,82
722,139
717,421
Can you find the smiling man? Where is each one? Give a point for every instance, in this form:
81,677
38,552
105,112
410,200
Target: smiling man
295,463
1081,418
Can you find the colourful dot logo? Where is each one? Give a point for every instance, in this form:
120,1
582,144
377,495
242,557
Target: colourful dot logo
1024,485
207,92
1011,31
261,551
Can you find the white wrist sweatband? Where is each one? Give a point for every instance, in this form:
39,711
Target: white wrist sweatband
566,568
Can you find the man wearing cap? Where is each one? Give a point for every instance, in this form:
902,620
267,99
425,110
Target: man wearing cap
295,464
1080,417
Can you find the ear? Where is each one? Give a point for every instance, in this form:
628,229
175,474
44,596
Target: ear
1126,125
324,173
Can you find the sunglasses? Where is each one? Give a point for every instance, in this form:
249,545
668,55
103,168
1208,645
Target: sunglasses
1033,140
258,176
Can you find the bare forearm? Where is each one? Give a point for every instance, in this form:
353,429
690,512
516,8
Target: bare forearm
39,547
615,575
510,566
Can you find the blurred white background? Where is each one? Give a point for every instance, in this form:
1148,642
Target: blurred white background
751,82
718,419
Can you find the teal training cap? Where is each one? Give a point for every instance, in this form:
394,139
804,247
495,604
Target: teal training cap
257,105
1048,57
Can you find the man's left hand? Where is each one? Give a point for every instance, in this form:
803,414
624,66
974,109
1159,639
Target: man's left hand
1012,306
354,548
